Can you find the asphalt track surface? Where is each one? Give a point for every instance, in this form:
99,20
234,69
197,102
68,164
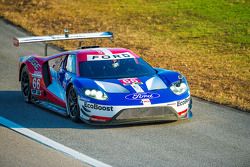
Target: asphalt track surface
17,150
216,136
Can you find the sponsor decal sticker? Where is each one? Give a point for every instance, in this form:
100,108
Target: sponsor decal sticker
97,107
37,74
125,55
183,102
130,81
141,96
146,102
35,92
34,63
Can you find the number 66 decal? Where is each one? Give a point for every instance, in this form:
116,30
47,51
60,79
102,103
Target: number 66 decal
36,83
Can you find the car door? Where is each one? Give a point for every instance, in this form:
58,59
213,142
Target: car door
67,70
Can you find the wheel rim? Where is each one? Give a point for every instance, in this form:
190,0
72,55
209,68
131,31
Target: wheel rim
72,103
25,84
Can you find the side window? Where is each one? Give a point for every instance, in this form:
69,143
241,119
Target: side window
56,62
71,63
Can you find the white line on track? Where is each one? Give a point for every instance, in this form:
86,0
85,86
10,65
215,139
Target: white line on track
48,142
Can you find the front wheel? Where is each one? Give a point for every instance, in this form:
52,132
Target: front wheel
25,85
72,105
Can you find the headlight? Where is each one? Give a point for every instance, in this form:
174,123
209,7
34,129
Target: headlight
96,94
178,88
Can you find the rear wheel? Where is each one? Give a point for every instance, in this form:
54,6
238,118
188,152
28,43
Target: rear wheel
72,105
25,85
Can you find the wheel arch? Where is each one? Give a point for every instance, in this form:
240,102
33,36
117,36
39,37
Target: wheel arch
27,95
77,118
20,71
67,89
66,97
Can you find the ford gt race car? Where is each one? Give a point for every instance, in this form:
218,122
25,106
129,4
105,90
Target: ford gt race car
102,85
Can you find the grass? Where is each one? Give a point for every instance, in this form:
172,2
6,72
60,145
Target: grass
206,40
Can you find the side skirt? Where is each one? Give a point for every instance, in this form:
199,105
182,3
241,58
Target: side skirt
51,106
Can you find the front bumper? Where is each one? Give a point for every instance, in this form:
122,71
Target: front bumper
146,113
113,115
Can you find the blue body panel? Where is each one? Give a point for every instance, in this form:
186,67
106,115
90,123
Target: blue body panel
164,95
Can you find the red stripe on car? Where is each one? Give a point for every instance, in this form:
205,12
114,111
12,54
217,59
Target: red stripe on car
182,112
100,118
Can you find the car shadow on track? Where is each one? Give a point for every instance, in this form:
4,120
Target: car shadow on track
13,108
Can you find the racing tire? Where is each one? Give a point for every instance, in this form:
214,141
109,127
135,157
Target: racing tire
72,105
25,85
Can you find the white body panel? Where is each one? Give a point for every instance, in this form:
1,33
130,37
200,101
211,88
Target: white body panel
110,111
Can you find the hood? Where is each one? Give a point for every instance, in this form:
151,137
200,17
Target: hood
160,81
132,85
132,91
168,76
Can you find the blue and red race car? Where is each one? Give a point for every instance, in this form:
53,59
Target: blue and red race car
102,85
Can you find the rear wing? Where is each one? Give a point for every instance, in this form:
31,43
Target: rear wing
65,36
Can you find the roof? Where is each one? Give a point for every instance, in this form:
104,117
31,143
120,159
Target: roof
96,54
92,54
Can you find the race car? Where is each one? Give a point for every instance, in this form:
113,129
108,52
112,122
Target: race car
102,85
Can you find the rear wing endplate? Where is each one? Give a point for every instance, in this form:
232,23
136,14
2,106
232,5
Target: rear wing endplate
66,36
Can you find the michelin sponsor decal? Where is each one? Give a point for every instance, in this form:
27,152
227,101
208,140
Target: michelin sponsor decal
125,55
140,96
183,102
97,107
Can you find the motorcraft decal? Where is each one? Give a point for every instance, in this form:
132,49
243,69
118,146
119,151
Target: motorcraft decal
140,96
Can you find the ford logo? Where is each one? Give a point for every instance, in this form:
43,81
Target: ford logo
140,96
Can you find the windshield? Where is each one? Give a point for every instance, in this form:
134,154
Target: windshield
122,68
